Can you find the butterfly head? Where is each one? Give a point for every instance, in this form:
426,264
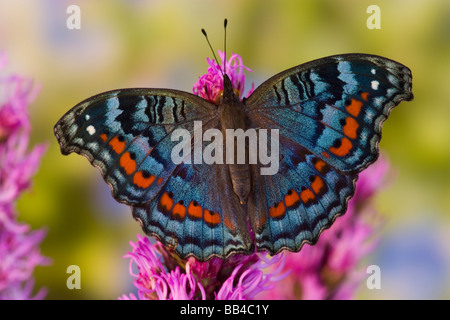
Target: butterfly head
224,82
229,94
215,84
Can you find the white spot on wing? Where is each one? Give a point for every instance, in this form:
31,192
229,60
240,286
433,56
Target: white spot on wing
90,130
375,84
373,71
87,117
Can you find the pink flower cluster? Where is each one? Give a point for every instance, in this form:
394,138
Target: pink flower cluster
210,84
161,275
19,247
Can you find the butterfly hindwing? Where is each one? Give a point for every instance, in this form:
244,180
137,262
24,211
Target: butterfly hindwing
335,106
295,205
198,214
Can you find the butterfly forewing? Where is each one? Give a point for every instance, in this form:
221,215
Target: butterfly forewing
126,133
335,106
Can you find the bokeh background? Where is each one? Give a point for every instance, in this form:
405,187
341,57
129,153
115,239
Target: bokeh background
159,44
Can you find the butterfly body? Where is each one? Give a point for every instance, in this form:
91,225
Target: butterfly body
328,112
233,116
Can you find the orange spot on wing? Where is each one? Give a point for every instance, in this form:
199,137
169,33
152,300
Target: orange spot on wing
166,202
179,210
128,164
160,180
278,210
292,198
343,149
307,195
211,218
104,137
354,108
350,128
117,145
365,96
320,165
325,154
195,211
142,181
317,185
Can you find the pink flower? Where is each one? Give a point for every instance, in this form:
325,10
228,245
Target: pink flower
253,280
162,275
153,281
211,84
19,247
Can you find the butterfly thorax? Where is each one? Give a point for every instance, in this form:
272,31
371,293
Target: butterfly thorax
232,116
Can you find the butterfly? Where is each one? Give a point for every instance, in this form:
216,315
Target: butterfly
328,112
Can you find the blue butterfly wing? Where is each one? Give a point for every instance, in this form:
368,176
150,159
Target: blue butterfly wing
127,135
295,205
334,106
329,113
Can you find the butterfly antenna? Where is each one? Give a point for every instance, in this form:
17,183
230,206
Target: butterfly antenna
209,43
225,22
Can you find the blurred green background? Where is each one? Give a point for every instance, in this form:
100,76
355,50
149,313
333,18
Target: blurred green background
159,44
